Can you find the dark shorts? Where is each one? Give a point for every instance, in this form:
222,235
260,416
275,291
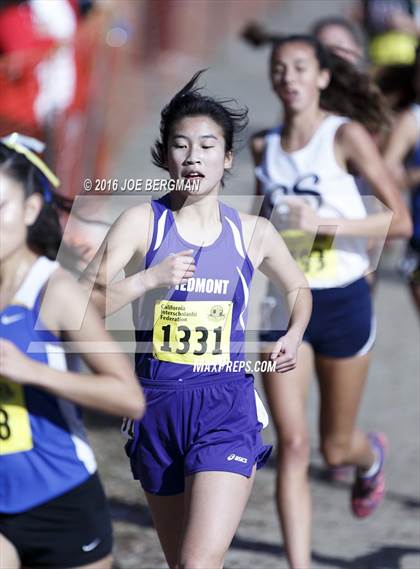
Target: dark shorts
70,531
341,324
195,426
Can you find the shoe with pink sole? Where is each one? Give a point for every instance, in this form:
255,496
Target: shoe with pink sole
368,492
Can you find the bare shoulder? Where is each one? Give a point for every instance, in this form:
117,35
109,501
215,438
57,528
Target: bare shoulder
354,146
254,222
351,131
132,230
406,124
133,216
63,286
254,229
63,297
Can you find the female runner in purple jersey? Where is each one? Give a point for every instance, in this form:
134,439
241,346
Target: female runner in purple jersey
197,449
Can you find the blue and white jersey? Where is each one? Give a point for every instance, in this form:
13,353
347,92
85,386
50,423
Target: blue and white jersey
43,447
313,174
202,321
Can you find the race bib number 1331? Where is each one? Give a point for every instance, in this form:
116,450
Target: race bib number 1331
192,332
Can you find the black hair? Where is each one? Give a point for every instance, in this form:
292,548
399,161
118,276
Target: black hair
396,83
189,101
322,53
44,235
350,92
399,83
352,30
257,35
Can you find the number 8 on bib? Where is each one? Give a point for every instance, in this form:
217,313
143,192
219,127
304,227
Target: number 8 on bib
15,428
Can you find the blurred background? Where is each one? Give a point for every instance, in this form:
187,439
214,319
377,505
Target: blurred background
90,77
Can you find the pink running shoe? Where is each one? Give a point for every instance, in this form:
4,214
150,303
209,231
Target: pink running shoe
368,493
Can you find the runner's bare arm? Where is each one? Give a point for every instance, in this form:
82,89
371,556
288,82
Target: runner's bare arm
356,149
268,252
122,243
125,245
112,388
401,141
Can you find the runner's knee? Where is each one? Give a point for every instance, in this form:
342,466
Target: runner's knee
294,449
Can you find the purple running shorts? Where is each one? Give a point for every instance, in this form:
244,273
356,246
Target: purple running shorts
194,426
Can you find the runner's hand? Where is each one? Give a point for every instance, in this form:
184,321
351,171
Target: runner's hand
175,269
302,215
14,365
285,353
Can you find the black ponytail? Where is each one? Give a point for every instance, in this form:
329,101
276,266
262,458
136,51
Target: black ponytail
257,35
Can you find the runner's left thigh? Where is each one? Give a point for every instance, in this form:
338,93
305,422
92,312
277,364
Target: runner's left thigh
214,505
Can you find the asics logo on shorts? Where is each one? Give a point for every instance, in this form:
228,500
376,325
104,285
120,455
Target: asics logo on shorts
237,458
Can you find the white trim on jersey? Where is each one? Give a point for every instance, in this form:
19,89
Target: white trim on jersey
236,237
246,297
57,360
160,230
38,275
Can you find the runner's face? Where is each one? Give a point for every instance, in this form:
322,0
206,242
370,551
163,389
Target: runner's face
196,151
16,214
296,76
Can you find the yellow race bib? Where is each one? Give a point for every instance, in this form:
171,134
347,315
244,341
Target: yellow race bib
315,256
15,428
192,332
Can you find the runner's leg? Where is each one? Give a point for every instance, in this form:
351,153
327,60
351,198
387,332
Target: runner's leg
9,558
168,515
341,383
286,395
215,502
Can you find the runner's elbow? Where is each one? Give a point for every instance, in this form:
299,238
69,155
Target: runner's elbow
401,226
135,405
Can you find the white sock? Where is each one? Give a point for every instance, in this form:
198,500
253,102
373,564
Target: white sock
374,469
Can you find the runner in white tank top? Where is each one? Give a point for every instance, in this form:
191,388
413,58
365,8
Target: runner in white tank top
303,175
313,172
